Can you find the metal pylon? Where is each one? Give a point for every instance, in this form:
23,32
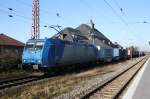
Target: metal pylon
35,19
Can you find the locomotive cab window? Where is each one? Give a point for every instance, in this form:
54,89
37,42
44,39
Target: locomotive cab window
29,46
39,46
34,46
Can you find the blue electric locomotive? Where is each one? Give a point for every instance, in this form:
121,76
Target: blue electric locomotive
52,52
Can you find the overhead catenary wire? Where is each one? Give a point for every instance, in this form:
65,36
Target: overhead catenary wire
93,10
121,18
46,12
117,4
42,10
120,8
13,12
19,17
89,6
115,12
125,16
12,15
86,4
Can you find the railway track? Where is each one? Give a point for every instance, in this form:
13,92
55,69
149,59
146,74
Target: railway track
114,91
113,88
17,81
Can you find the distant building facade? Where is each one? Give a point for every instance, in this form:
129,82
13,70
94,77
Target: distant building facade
10,45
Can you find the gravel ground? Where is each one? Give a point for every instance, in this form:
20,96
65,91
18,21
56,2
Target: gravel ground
93,82
12,74
70,85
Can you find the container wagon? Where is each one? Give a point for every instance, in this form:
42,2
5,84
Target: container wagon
106,54
116,54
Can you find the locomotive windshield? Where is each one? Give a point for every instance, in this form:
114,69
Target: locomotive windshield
30,46
39,45
34,46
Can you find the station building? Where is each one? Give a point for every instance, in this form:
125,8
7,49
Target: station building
10,45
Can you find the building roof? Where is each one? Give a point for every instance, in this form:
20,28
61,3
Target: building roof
85,29
84,33
70,34
6,40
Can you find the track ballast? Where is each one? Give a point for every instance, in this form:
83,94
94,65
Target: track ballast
113,88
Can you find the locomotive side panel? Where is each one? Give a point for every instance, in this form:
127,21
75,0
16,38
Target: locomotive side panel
77,53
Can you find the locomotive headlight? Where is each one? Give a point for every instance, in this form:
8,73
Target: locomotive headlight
24,60
39,61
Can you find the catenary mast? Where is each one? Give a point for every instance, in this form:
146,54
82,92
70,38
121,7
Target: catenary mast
35,32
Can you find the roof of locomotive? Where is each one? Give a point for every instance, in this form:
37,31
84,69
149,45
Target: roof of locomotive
37,40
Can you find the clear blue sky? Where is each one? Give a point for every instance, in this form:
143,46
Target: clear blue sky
74,12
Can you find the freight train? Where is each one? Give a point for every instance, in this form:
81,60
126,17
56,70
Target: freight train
85,44
41,54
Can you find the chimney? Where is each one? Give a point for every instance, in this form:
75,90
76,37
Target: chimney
91,24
